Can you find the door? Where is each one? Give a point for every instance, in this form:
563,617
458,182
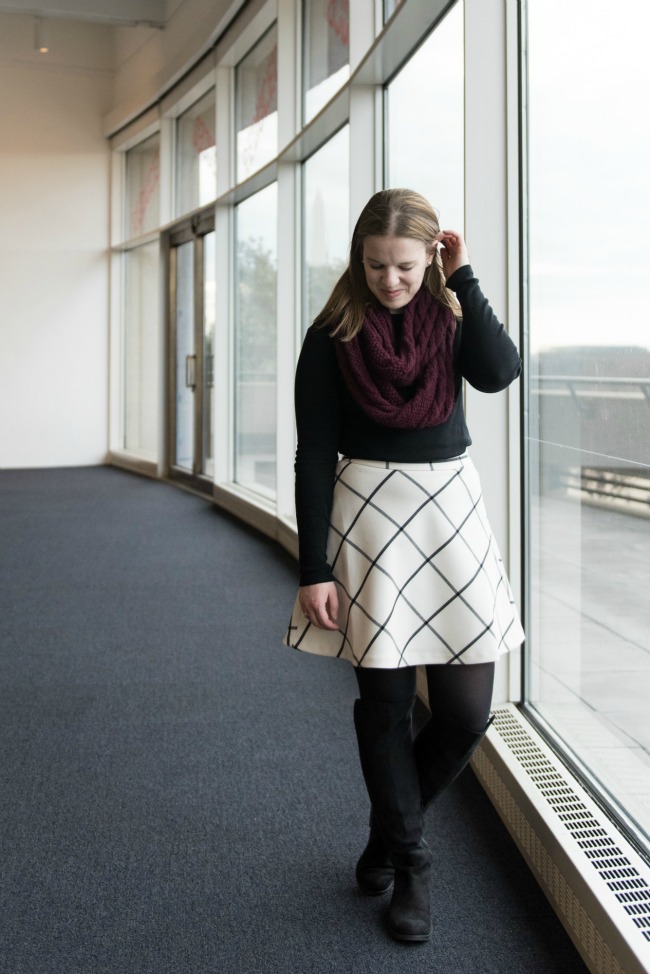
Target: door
191,277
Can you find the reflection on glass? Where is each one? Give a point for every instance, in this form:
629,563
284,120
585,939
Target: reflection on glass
185,356
255,342
209,311
256,84
326,208
141,351
196,155
143,187
425,108
588,446
326,45
390,6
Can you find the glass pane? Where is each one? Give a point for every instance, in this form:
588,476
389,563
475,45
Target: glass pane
209,310
326,208
589,390
143,187
326,51
429,158
257,106
185,356
141,346
255,347
390,6
196,155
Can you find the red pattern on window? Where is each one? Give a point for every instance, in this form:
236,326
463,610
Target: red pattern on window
267,88
149,185
338,18
202,137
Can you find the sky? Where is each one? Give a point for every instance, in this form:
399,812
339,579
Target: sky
589,159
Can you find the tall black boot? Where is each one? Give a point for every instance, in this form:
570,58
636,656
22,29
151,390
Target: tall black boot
375,871
387,760
442,749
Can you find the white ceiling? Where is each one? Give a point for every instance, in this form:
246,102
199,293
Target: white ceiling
126,12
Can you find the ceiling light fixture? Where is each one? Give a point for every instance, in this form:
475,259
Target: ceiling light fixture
41,35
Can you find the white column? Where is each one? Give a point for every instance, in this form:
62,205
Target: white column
366,152
288,326
116,313
491,233
364,20
289,71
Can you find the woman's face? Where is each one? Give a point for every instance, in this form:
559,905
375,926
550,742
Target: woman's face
394,268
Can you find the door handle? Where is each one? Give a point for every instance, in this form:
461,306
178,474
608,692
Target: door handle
190,371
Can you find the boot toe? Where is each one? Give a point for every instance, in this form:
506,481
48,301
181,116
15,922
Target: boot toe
374,881
414,929
409,914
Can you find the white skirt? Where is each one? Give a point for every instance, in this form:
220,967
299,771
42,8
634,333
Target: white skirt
418,572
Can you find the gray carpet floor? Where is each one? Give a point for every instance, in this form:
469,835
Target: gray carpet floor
180,793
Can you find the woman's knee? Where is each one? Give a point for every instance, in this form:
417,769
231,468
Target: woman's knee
387,686
462,693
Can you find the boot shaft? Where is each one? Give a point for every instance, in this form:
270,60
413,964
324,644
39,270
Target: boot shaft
385,742
442,749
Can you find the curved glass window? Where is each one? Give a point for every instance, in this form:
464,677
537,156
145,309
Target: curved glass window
390,6
209,325
143,187
425,117
141,350
255,341
588,441
196,155
326,51
326,219
256,98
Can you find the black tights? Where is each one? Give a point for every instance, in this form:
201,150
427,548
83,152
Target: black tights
463,693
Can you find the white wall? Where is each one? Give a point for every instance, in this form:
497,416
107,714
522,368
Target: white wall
54,212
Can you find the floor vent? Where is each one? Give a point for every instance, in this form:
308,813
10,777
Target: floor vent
595,880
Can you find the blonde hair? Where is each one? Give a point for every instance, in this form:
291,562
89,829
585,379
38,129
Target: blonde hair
389,213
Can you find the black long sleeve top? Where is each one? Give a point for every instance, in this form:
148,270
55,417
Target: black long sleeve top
330,422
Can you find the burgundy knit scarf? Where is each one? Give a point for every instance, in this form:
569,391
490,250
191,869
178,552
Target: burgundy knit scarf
403,380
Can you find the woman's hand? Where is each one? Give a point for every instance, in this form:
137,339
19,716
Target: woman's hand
320,603
453,252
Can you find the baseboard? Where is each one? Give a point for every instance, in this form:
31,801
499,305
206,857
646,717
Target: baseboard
595,880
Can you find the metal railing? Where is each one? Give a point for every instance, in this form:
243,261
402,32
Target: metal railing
593,437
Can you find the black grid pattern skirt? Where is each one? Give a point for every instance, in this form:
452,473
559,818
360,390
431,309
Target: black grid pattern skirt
418,572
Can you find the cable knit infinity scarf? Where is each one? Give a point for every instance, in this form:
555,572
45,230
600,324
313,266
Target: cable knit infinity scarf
405,381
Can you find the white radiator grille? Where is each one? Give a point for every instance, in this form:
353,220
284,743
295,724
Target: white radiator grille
611,925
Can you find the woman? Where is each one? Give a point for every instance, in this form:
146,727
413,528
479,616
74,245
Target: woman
398,566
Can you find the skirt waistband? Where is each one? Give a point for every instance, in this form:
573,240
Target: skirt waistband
397,465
